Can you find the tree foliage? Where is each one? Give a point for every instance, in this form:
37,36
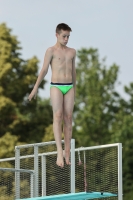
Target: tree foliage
17,77
101,115
122,131
97,100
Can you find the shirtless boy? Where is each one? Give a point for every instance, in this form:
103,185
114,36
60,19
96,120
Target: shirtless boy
62,88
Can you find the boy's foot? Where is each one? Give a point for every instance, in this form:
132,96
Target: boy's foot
66,155
60,161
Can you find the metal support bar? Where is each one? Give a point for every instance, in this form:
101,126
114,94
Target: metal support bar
17,174
17,170
43,175
72,165
120,190
38,144
85,181
55,152
97,147
36,170
32,185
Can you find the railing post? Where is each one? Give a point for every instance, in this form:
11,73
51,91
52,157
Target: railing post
17,174
43,175
120,190
72,165
36,170
32,185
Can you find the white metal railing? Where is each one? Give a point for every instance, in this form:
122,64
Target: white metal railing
17,172
73,150
36,155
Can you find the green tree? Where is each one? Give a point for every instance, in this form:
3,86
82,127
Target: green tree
101,115
122,131
33,125
96,99
17,78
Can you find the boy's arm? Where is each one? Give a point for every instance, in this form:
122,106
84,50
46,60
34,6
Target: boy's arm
43,72
74,72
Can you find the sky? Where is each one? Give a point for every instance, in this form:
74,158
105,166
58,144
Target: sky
103,24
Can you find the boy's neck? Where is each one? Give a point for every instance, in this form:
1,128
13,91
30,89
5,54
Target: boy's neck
60,46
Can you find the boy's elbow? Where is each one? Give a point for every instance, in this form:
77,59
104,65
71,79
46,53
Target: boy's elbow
44,72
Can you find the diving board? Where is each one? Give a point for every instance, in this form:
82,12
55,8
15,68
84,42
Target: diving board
75,196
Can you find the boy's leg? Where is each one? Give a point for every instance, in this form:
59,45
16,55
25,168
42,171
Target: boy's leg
68,104
57,106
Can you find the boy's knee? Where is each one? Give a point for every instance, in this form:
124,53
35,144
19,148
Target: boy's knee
68,118
58,116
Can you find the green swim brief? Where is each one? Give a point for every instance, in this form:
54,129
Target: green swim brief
63,87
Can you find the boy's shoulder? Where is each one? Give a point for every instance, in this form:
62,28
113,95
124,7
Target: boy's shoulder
50,49
72,49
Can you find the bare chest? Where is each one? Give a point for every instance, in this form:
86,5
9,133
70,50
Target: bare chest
62,57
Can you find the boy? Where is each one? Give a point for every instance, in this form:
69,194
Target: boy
62,88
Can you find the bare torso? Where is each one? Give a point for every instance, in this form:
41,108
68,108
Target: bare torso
61,65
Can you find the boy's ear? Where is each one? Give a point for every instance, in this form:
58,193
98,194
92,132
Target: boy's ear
56,34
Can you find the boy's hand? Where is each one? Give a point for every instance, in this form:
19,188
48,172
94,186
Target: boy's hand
33,94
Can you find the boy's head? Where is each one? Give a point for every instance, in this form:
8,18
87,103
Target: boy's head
63,27
63,33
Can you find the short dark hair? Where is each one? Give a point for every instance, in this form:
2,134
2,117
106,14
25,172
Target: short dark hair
63,27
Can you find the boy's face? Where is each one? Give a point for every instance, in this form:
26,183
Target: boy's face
63,37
